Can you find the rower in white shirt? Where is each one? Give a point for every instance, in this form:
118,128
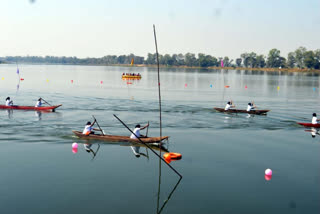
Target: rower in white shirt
39,103
136,131
314,119
88,129
9,102
251,106
229,105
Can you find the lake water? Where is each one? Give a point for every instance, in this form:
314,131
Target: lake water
224,156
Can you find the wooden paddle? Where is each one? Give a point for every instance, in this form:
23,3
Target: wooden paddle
45,101
98,125
147,129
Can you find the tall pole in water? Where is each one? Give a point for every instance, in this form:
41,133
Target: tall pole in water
155,40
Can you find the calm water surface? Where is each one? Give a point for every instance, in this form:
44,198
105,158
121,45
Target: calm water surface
224,155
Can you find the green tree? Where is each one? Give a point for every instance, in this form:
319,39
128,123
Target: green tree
245,58
291,59
274,59
238,62
309,59
191,60
299,54
260,61
151,59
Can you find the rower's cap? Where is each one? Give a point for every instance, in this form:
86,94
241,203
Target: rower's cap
8,98
229,103
249,104
314,114
88,123
137,156
138,126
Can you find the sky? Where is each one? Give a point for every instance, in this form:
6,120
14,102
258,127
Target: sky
95,28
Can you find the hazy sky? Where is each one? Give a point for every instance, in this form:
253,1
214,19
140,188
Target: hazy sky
95,28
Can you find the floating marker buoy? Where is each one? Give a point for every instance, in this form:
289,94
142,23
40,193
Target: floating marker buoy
2,78
74,150
21,79
227,86
172,155
278,88
47,80
246,87
129,83
185,85
211,86
74,145
268,172
314,89
101,82
71,81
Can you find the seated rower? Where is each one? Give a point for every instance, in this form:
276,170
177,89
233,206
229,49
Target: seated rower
88,128
314,119
39,103
136,131
9,102
250,107
229,106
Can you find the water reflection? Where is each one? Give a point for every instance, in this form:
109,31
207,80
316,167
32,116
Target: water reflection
38,114
313,131
10,113
87,147
137,153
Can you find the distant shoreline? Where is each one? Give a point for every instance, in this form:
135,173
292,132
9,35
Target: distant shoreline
306,70
223,68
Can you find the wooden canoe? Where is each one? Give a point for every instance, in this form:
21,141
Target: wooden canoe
43,108
242,111
117,138
310,125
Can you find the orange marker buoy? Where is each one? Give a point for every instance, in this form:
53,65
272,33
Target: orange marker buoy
172,156
129,83
227,86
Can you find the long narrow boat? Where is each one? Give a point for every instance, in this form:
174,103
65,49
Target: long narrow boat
43,108
130,77
242,111
117,138
310,125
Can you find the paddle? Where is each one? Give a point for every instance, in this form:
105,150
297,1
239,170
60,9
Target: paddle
45,101
147,129
254,105
98,125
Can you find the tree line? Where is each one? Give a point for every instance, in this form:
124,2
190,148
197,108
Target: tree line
300,58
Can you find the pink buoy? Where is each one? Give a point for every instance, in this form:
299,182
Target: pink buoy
185,85
246,87
74,145
71,81
101,82
268,172
74,150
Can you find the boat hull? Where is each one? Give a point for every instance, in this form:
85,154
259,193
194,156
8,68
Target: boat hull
117,138
44,108
310,125
259,112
